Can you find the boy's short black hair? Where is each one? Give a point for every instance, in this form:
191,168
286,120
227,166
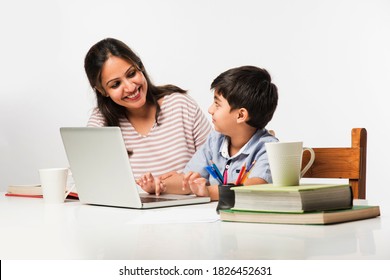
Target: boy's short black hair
251,88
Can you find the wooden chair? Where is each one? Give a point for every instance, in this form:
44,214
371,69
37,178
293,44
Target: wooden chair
344,163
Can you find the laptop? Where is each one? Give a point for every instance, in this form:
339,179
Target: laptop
102,171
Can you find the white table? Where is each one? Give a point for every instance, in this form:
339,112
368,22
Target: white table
30,229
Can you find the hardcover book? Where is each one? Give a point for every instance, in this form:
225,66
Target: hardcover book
302,198
34,191
310,218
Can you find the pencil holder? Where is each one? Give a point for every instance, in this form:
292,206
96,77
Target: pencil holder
226,197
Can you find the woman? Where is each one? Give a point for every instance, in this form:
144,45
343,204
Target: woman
162,126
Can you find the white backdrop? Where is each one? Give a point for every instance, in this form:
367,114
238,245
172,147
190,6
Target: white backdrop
330,60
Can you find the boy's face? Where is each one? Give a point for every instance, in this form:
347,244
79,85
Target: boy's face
224,120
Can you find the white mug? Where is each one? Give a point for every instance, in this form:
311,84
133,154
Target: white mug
285,160
53,182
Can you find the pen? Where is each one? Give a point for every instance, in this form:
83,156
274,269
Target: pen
216,170
212,173
225,172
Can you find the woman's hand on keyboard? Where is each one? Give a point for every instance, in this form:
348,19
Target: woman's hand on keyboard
150,184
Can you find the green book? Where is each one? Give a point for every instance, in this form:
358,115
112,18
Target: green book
309,218
298,199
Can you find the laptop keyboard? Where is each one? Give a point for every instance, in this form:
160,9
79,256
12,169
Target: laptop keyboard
146,199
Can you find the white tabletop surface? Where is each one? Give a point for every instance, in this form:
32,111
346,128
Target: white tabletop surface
31,229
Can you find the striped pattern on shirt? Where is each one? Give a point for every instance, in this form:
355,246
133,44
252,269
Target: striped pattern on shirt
182,129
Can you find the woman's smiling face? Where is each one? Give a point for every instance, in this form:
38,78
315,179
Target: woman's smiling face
124,83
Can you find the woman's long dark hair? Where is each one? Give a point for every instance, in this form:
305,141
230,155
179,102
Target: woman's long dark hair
93,63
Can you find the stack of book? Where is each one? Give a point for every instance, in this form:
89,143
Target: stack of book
304,204
34,191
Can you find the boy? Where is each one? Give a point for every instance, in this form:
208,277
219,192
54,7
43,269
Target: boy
244,102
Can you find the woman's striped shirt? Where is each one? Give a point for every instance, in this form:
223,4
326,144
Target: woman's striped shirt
182,129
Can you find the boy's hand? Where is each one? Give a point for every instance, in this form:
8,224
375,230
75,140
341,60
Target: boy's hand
196,183
150,184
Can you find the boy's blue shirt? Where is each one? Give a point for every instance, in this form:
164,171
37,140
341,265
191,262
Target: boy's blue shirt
216,149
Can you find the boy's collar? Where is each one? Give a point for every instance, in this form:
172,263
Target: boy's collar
224,149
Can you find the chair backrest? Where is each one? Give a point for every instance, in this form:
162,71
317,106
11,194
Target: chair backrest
344,163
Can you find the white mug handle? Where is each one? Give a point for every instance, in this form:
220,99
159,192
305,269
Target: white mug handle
310,163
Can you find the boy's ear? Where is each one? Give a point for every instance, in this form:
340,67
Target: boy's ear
242,115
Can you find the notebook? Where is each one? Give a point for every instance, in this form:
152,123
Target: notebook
102,171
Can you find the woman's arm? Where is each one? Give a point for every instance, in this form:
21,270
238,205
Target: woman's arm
172,182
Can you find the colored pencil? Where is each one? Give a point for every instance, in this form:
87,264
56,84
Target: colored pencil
240,174
247,172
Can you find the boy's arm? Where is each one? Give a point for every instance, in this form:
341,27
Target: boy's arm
213,191
255,181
